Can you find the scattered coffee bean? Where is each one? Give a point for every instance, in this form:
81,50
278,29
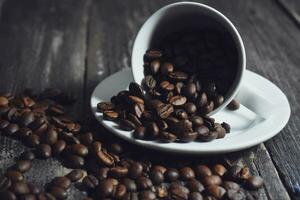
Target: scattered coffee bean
254,182
233,105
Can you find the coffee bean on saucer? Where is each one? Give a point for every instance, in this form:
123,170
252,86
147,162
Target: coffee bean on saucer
254,182
233,105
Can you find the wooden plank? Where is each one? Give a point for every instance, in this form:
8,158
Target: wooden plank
292,8
43,44
110,41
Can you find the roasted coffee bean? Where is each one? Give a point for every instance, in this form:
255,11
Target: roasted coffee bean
190,108
134,99
154,66
58,147
118,172
180,114
127,125
226,127
218,100
129,184
27,155
166,86
164,110
216,191
32,140
5,183
116,148
58,192
219,170
11,129
221,132
135,170
194,185
43,151
254,182
234,172
147,195
207,136
74,161
104,106
62,182
90,182
102,173
106,187
156,176
14,175
110,115
178,192
79,149
3,101
149,82
26,118
236,195
196,120
189,90
20,188
23,165
143,183
50,136
130,196
195,196
178,76
188,136
201,100
172,174
134,119
186,173
139,133
152,130
136,89
178,100
233,105
202,171
75,175
167,137
7,195
105,158
167,68
138,109
178,87
230,185
152,54
211,180
120,191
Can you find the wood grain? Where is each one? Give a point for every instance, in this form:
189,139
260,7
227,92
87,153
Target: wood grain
292,8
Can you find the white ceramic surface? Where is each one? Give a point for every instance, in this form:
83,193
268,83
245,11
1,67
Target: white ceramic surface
179,16
265,111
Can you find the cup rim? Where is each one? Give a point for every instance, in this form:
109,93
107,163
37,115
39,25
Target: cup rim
231,28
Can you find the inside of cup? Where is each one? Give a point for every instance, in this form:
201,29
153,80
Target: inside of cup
205,22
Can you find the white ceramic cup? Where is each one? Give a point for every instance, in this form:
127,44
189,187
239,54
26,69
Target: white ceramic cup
178,16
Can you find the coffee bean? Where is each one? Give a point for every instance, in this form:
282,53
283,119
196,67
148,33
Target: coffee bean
178,76
201,100
5,183
110,115
236,195
194,185
156,176
32,140
152,130
20,188
216,191
90,182
120,191
221,132
134,119
190,108
167,68
166,86
143,183
75,175
106,187
50,136
202,171
129,184
138,109
14,175
149,82
79,149
135,170
3,101
74,161
105,158
211,180
152,54
7,195
26,118
119,172
234,172
62,182
178,192
164,110
233,105
134,99
172,174
187,173
167,137
154,66
136,89
147,194
254,182
178,100
207,136
11,129
219,170
189,90
219,99
127,125
102,173
139,133
23,165
226,127
195,196
58,147
130,196
27,155
43,151
230,185
23,133
58,192
105,106
196,120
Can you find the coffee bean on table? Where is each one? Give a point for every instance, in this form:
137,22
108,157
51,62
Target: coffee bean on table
23,165
194,185
79,149
119,172
219,170
164,110
90,182
230,185
211,180
187,173
27,155
202,171
32,140
254,182
26,118
58,147
20,188
120,191
14,175
172,174
106,187
75,175
74,161
147,194
143,183
233,105
216,191
156,176
190,108
207,136
43,151
105,158
135,170
50,136
3,101
58,192
129,184
110,115
178,100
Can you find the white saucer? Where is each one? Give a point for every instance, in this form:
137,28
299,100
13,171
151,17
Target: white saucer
265,111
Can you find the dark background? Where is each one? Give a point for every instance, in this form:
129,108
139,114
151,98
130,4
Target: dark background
74,44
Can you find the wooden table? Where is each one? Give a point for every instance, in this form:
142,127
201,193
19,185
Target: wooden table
73,45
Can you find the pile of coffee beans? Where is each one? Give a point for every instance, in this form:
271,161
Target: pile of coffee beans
105,170
171,104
